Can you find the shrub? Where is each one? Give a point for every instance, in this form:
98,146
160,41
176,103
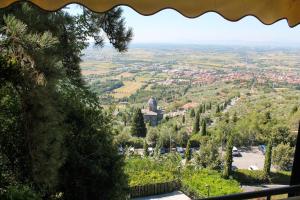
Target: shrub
282,156
255,177
143,171
20,192
197,183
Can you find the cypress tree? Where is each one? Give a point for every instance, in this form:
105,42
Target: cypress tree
228,158
203,128
183,119
218,109
235,118
192,113
200,110
145,147
188,155
138,125
268,157
196,127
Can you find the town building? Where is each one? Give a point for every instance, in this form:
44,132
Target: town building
152,114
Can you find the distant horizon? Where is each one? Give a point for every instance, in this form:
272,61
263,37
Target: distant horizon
232,45
170,27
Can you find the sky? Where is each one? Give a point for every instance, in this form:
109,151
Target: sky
170,27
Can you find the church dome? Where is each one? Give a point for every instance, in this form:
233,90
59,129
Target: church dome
152,103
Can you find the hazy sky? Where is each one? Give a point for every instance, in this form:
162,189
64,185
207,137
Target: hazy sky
169,26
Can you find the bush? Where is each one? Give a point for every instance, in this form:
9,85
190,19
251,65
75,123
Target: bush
254,177
143,171
19,193
282,156
197,183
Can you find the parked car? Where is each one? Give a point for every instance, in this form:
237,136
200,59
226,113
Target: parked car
262,148
181,151
120,150
163,150
253,167
236,152
150,151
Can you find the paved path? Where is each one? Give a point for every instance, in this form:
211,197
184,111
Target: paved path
177,195
250,188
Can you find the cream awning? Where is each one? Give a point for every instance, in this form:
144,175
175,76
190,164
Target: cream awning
267,11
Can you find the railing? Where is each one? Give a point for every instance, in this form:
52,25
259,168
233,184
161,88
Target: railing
291,190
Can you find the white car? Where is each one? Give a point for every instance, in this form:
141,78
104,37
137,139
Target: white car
253,167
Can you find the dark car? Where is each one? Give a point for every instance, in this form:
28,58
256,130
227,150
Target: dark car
262,148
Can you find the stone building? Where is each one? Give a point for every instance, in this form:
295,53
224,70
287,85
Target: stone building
152,114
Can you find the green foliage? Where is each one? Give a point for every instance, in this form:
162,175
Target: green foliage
152,135
196,127
145,148
203,128
61,137
249,177
142,171
138,127
282,156
20,192
208,155
228,158
197,183
268,157
282,134
192,113
188,155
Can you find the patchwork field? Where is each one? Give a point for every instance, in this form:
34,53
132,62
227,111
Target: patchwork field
129,88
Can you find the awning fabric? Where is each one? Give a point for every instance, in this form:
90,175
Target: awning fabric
267,11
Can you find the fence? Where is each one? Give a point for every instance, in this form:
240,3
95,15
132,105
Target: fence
154,189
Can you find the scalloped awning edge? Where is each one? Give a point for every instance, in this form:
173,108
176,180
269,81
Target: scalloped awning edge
267,11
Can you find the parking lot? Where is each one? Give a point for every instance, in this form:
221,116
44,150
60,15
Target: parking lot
250,156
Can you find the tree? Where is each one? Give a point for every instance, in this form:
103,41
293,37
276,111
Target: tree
152,136
138,127
234,118
196,127
294,109
62,137
183,119
188,151
145,147
192,113
203,128
228,158
218,110
282,156
268,157
200,109
208,156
